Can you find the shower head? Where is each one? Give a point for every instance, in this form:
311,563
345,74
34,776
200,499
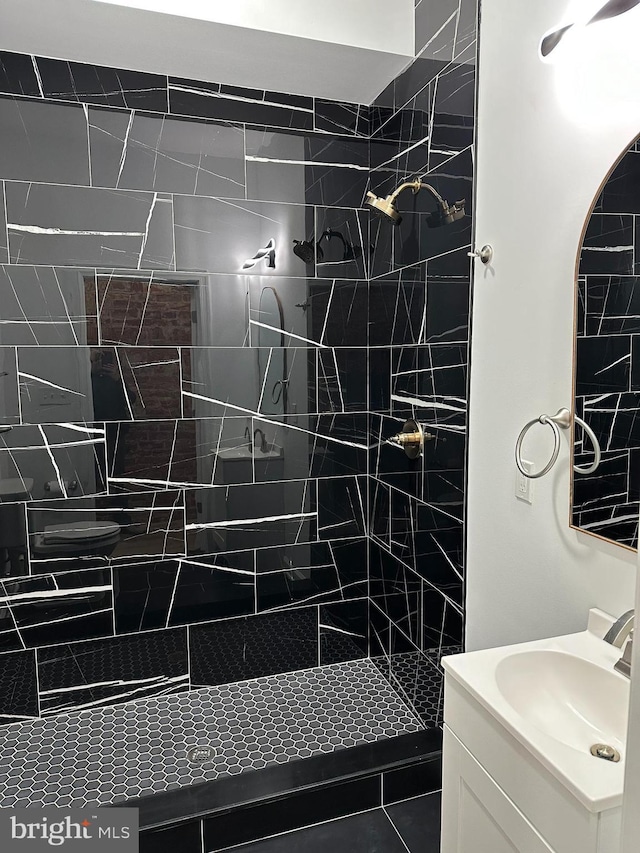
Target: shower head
350,251
386,208
306,251
446,214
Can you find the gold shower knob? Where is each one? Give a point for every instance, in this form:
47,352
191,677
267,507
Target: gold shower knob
411,439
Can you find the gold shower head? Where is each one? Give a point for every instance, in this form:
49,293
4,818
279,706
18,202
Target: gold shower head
387,209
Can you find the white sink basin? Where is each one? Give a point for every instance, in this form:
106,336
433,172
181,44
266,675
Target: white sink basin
557,697
567,697
244,453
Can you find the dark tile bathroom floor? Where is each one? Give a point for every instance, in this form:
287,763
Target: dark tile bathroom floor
412,825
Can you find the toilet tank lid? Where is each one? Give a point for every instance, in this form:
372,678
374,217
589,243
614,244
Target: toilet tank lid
16,488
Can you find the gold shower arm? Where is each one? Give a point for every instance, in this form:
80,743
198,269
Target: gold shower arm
415,187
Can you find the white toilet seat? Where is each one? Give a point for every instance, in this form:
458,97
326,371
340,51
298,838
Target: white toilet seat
77,536
80,531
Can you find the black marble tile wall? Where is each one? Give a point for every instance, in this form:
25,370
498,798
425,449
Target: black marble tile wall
315,572
446,29
87,675
54,224
607,361
19,686
306,168
220,101
344,631
4,237
93,84
194,421
419,301
237,649
48,609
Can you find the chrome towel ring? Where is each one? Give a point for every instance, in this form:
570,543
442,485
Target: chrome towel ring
588,469
543,419
561,420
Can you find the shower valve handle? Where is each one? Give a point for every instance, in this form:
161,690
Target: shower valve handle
412,438
485,254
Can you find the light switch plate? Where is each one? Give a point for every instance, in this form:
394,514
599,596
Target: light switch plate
524,485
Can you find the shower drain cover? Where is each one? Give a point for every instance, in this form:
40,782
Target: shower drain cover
603,750
200,754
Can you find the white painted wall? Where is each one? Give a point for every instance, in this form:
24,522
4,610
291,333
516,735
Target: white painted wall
548,134
345,51
374,24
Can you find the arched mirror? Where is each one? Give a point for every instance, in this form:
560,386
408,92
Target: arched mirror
606,502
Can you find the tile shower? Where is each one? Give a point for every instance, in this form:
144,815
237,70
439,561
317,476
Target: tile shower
196,483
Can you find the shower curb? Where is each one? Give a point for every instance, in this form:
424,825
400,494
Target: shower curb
223,795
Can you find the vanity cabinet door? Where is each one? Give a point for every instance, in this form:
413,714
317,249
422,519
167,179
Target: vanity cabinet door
477,816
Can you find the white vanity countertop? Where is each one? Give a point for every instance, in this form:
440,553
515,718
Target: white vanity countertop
550,705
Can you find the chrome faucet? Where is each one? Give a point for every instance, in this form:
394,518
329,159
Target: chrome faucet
621,630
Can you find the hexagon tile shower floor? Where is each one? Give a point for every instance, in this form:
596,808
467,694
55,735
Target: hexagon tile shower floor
110,755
